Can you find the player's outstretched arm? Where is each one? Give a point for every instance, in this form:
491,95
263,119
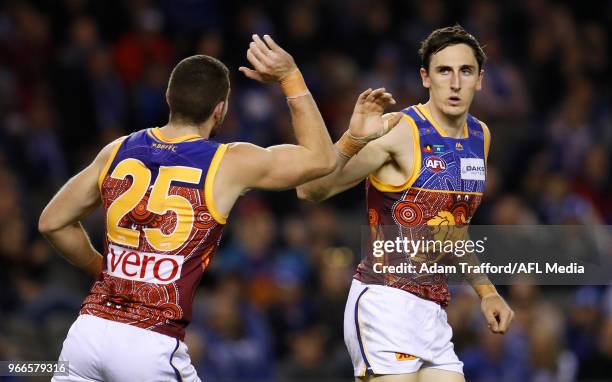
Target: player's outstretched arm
364,148
283,166
60,223
245,166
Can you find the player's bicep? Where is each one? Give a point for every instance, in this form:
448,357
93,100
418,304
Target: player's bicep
273,168
72,202
373,156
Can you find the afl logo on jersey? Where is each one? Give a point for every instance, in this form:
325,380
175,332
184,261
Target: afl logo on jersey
435,164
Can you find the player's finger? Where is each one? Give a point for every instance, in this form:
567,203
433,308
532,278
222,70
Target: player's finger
385,99
254,61
492,321
362,97
273,45
259,42
262,48
250,73
374,94
379,94
259,53
391,120
505,317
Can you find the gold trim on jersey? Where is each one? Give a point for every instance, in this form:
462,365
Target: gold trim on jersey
416,164
416,110
487,140
209,182
109,161
433,122
448,191
157,134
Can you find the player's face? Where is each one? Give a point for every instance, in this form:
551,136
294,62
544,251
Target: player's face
452,79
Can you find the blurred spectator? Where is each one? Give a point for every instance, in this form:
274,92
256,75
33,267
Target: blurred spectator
599,367
550,360
584,319
135,50
310,359
108,95
504,94
150,94
233,334
493,359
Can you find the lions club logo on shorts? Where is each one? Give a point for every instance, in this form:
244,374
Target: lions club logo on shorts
404,357
435,164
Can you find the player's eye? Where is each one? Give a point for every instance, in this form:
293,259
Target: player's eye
466,71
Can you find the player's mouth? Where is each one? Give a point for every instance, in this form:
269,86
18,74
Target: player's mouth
454,100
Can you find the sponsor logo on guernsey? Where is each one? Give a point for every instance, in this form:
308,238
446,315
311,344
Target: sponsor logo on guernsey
458,146
473,169
439,149
435,164
153,268
404,357
163,147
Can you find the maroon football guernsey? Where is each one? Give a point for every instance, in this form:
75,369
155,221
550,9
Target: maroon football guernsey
445,189
162,230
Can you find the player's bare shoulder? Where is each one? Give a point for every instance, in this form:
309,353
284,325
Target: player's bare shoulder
398,141
108,150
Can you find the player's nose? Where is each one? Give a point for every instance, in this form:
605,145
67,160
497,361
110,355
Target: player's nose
456,82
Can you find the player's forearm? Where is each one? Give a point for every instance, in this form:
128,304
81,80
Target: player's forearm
323,188
311,133
72,243
479,281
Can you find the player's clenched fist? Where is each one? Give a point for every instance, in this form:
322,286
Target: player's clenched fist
497,313
271,62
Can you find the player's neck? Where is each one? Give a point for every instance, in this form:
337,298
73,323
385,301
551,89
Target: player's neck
452,126
175,129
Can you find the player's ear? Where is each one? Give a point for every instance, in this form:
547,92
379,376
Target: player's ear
218,111
425,78
479,83
167,97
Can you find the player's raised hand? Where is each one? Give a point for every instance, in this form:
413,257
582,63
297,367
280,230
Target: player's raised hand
271,63
367,120
497,313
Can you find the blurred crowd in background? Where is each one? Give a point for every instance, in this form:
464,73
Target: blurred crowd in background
74,74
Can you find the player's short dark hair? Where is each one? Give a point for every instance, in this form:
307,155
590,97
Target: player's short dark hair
197,84
443,37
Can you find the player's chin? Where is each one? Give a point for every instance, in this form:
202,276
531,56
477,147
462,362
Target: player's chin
454,110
